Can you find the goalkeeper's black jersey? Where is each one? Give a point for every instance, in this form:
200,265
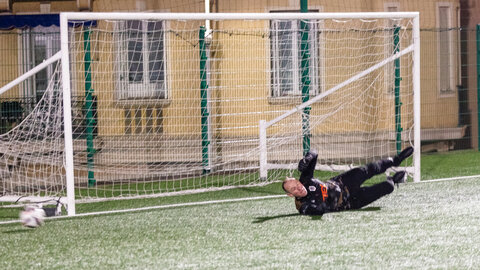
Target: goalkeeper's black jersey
322,197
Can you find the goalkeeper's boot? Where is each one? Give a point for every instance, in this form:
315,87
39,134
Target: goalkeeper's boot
398,159
307,159
397,178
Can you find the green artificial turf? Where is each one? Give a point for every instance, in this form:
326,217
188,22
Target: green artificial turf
419,225
426,225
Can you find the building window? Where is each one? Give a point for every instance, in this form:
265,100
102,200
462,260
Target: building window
286,58
445,50
38,44
141,65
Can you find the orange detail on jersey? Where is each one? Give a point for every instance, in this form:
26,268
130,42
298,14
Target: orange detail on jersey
323,188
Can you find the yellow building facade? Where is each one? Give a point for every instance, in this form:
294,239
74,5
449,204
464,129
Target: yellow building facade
246,78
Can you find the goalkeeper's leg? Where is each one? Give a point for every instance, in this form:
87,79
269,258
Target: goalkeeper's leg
367,195
381,166
354,178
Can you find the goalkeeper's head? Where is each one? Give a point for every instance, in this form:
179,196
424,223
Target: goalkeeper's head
294,188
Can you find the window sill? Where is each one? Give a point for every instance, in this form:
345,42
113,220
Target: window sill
142,102
446,93
288,100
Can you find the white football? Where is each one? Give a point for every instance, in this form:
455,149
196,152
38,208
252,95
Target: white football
32,217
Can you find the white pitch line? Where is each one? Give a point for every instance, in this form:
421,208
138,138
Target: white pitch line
213,202
157,207
446,179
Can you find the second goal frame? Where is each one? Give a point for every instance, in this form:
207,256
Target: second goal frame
413,48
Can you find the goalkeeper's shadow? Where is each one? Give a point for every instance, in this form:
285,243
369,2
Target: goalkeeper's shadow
263,219
367,209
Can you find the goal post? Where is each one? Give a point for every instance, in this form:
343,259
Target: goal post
152,104
67,115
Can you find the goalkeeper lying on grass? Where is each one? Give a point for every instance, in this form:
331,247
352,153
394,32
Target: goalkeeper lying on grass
344,191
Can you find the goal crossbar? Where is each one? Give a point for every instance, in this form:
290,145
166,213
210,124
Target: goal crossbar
235,16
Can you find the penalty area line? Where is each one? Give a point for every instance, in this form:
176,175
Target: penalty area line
157,207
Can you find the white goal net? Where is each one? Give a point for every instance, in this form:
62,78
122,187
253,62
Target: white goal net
157,104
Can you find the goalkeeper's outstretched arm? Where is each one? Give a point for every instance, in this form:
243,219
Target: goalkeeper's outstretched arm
312,209
306,166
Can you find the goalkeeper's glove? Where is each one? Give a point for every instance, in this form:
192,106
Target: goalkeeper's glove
306,160
312,209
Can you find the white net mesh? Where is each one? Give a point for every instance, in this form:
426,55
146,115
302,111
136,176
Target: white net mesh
31,162
363,119
158,109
